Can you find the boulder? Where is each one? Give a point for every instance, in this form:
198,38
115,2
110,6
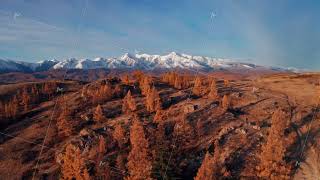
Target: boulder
188,108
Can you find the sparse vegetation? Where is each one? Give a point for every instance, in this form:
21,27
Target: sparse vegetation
151,127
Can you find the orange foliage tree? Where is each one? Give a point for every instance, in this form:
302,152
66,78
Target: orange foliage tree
119,135
226,83
176,80
64,123
272,165
138,75
102,148
106,92
128,104
74,166
145,85
25,99
103,93
102,145
35,94
213,94
225,102
49,88
11,108
139,159
98,114
197,87
153,101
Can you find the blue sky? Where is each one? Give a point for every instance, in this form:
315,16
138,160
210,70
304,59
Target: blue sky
266,32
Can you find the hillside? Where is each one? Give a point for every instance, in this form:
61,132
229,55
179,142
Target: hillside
173,126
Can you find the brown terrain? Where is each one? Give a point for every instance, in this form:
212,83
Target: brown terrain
173,126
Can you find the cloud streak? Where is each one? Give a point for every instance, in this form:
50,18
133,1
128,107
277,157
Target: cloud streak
39,38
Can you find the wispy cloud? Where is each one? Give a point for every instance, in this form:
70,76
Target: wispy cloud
39,38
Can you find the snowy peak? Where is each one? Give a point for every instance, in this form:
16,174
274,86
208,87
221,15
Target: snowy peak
134,61
44,65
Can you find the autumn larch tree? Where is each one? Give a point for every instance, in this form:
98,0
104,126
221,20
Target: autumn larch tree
178,82
272,165
74,166
145,85
6,109
139,159
102,93
165,77
106,92
64,126
119,135
64,123
102,148
11,108
102,145
138,75
35,94
185,81
175,79
128,103
49,88
98,114
197,87
153,101
226,83
206,172
172,78
25,99
102,170
213,94
169,78
225,102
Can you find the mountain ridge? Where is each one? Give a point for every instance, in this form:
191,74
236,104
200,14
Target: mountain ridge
142,61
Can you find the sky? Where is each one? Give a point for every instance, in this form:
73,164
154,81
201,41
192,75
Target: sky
266,32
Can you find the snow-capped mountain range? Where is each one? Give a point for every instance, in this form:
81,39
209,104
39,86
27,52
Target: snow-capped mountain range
130,61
